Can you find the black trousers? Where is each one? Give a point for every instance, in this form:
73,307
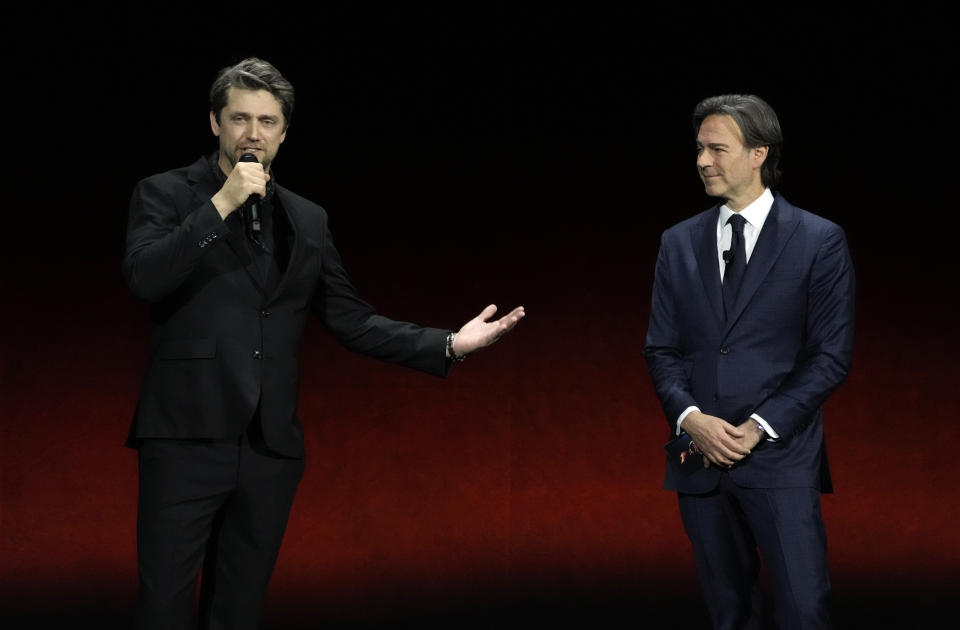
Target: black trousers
222,506
728,526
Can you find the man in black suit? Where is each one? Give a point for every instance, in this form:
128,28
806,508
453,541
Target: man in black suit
751,329
230,263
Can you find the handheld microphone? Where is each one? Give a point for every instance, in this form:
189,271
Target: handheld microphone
252,217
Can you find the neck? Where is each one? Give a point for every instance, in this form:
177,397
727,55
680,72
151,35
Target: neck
740,202
225,165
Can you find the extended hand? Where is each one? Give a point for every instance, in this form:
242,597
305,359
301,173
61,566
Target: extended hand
479,333
720,441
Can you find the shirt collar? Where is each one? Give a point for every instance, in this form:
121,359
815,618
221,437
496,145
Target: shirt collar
755,214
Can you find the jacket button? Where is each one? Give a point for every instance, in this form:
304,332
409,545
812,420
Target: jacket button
257,354
725,350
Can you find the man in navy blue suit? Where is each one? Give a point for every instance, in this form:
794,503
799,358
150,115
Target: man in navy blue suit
751,329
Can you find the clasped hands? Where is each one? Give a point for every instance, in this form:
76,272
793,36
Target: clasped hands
722,443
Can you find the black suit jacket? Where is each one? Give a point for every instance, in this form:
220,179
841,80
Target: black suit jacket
221,343
786,348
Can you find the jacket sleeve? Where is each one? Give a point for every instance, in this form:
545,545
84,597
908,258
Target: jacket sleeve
356,325
663,350
828,347
165,242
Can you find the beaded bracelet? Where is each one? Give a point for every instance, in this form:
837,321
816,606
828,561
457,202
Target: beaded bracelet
451,355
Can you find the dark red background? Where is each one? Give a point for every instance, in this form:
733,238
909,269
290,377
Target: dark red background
468,157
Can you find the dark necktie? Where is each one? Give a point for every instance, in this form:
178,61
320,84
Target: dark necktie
735,260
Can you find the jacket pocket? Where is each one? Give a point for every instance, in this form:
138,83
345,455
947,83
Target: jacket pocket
187,349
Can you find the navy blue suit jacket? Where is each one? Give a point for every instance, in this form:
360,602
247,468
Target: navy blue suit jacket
786,348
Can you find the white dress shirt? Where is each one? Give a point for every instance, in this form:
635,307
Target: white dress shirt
755,215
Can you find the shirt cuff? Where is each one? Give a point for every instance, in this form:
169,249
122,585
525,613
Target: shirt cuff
686,412
771,434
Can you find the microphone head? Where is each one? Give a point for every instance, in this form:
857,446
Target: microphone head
250,157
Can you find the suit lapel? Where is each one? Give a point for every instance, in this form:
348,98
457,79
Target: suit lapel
205,187
780,225
301,241
704,241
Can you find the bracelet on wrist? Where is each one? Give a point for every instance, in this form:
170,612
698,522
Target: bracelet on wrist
451,355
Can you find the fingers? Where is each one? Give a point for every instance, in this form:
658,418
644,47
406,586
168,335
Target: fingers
724,451
719,440
735,451
246,178
479,333
732,430
487,313
738,447
718,458
251,177
512,317
728,453
509,321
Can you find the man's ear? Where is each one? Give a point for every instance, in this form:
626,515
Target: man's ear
214,126
759,155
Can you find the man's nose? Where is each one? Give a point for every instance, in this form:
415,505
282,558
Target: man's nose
703,160
253,130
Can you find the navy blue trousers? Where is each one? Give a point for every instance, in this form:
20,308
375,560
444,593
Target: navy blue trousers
729,526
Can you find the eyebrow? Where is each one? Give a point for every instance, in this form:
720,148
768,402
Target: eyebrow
714,145
261,117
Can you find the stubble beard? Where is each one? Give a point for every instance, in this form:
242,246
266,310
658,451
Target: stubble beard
232,160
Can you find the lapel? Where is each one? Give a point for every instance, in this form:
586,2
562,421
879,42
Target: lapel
204,186
301,242
780,225
704,240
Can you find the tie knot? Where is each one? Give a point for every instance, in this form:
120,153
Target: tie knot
737,222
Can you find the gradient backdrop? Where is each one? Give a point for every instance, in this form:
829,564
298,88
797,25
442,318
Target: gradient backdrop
466,156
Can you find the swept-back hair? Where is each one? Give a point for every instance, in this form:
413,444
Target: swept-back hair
252,74
757,122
